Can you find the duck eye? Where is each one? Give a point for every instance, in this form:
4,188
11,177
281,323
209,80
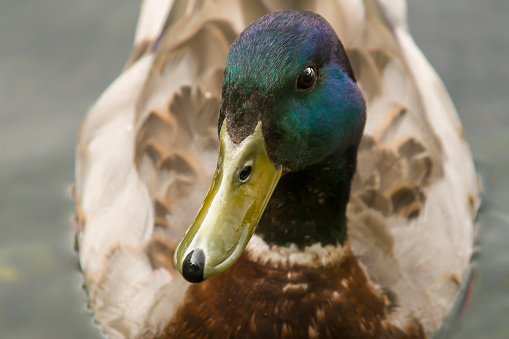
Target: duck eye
244,173
307,78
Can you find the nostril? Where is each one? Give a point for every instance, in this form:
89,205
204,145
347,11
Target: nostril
193,266
244,173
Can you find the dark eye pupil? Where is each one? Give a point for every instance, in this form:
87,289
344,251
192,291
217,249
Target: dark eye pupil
307,78
244,173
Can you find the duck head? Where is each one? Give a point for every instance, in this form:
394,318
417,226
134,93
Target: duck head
290,102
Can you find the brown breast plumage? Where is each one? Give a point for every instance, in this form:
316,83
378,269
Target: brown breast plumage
252,300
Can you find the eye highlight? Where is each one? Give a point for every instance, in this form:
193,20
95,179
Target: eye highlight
307,79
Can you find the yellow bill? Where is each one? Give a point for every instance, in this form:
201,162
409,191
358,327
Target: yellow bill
241,188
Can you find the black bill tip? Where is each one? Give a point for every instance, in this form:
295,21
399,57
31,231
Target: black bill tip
193,266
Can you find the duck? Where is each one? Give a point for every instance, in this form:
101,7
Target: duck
274,169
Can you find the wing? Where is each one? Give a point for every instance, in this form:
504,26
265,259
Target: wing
415,194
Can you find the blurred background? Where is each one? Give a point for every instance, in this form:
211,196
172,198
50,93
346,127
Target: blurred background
57,57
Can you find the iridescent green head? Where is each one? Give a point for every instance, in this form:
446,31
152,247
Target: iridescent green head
289,70
289,102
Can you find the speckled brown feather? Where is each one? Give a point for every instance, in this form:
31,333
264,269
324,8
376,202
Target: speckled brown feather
255,301
148,148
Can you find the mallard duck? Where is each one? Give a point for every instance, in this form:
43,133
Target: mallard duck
342,201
